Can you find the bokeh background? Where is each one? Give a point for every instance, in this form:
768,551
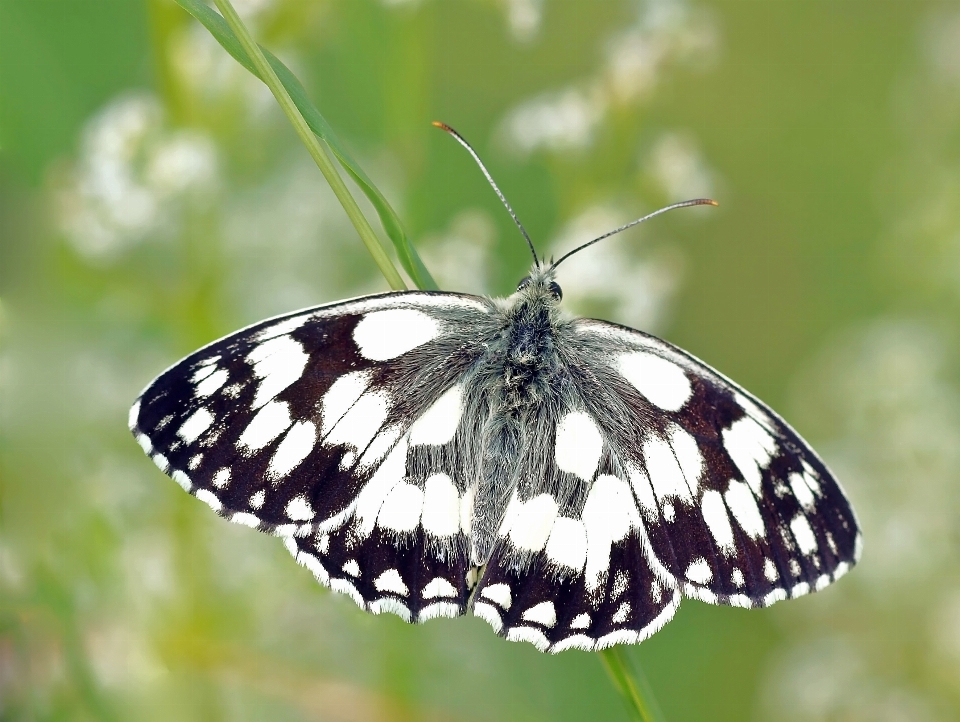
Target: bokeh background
153,198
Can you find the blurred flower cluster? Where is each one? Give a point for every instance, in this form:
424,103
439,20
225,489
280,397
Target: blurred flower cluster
885,397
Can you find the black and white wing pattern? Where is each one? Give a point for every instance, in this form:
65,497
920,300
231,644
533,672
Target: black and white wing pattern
333,427
374,437
660,478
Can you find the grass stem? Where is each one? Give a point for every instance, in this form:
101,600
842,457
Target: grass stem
316,150
632,685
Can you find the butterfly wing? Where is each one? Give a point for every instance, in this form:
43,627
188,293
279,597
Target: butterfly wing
736,504
655,475
333,427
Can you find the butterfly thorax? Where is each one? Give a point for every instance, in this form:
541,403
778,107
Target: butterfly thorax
521,369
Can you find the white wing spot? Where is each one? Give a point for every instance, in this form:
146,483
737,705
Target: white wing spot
282,328
278,363
802,490
581,621
669,513
299,509
737,578
774,596
745,510
401,508
383,335
208,497
391,605
439,587
499,593
210,384
161,461
803,534
352,568
578,445
621,636
438,424
718,521
222,478
371,497
699,571
751,447
198,422
608,515
295,447
644,493
622,614
688,456
755,411
620,583
529,634
437,610
662,382
342,394
205,369
664,470
567,545
378,448
194,462
145,443
770,570
489,614
542,613
441,506
794,567
361,423
532,522
256,500
233,390
270,421
577,641
391,581
134,416
242,517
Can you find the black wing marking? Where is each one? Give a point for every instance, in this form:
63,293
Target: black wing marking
555,608
304,425
572,567
737,506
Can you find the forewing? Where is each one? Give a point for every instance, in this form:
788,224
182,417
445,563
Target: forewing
736,505
333,427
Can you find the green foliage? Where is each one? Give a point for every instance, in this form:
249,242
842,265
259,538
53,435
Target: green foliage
391,222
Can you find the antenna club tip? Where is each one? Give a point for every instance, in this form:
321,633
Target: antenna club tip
710,202
442,126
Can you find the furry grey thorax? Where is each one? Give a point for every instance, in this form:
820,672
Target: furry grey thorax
522,376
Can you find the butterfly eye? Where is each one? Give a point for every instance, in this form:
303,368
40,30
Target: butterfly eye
524,282
556,290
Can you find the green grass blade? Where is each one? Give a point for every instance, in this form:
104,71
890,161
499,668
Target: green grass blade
222,33
632,685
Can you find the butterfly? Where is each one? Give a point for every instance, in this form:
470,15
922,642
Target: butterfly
567,480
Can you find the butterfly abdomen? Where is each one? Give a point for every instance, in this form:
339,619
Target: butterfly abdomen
519,374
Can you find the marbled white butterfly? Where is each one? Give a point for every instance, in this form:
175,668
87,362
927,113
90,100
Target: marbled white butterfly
566,479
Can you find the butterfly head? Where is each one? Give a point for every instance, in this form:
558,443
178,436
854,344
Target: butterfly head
540,285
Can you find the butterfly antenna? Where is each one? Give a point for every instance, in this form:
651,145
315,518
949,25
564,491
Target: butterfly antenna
486,173
683,204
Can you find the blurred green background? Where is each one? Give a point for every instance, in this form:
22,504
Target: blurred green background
153,198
